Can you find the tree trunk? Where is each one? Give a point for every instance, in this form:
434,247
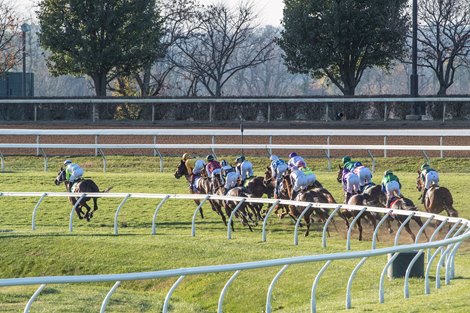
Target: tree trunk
442,90
99,81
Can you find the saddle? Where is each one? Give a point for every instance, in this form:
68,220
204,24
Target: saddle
75,184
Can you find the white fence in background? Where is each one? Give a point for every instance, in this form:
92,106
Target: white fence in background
446,248
213,102
99,148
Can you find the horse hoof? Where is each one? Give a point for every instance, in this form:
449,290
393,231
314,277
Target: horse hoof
80,217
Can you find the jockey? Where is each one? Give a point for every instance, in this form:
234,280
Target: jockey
390,185
73,173
230,175
244,168
429,176
348,164
194,167
278,168
213,168
294,159
298,180
311,178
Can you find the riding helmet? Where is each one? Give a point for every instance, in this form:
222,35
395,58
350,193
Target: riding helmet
292,154
273,157
425,165
346,159
186,156
240,159
209,158
388,172
67,162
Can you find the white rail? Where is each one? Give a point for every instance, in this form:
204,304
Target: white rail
448,246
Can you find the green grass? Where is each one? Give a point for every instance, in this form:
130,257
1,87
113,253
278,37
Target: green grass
93,249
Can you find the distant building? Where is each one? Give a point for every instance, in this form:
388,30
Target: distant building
11,85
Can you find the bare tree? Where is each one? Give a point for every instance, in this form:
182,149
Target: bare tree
221,46
10,35
444,37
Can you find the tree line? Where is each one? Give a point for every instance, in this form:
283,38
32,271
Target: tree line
185,48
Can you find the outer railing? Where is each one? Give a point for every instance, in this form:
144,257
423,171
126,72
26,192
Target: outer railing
447,248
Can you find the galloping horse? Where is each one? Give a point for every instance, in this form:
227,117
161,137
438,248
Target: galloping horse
85,186
408,205
203,185
255,188
437,199
358,199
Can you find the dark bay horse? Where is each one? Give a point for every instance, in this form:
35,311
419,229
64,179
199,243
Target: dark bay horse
85,186
437,199
203,186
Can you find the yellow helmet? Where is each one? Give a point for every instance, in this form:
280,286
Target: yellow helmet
186,156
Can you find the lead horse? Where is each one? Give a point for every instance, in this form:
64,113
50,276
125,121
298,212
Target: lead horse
85,186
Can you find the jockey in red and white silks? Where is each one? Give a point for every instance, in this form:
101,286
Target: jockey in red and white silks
364,173
294,160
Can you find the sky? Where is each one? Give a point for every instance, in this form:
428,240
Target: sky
269,11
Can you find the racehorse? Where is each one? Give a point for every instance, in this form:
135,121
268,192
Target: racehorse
85,186
351,182
305,196
230,205
437,199
358,199
255,188
203,185
408,205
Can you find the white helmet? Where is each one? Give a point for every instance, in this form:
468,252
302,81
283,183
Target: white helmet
273,157
67,162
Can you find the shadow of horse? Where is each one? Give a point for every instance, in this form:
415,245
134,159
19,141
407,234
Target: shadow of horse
437,199
82,186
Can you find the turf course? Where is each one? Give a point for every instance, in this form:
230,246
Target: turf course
93,249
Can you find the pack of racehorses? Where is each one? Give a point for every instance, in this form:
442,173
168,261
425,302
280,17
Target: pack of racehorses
437,199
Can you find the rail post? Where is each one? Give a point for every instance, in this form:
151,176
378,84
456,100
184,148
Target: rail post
33,219
73,211
224,291
117,213
154,220
108,296
265,221
193,222
296,229
230,221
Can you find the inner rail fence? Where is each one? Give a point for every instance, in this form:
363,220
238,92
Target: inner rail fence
445,249
232,109
266,137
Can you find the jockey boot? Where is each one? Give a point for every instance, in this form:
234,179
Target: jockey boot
348,196
423,196
389,201
226,190
294,194
191,184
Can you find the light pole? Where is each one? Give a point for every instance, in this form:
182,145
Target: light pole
24,29
414,59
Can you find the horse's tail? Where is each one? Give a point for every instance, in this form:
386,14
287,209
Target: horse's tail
107,189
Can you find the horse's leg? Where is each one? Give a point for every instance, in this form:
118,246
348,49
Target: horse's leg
88,209
95,206
374,223
200,209
228,211
307,220
359,226
408,230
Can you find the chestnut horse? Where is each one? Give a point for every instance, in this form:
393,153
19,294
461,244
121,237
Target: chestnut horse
85,186
203,186
437,199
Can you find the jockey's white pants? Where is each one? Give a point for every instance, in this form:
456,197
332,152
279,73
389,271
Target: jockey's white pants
391,188
351,183
431,177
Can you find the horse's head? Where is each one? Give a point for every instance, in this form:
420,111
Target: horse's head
339,177
60,177
419,182
267,176
181,170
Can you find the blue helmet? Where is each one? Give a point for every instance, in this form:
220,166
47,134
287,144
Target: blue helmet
67,162
292,154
